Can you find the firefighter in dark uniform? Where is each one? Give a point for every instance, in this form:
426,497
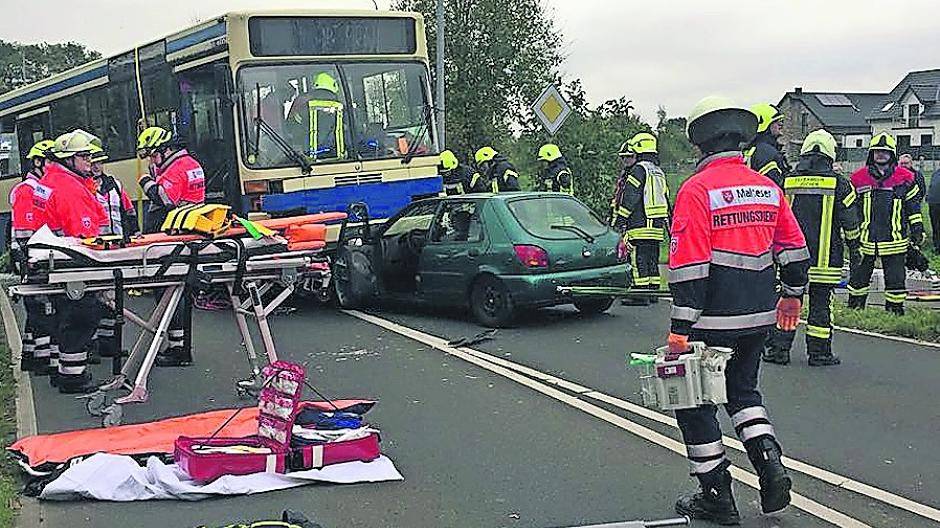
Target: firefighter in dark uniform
763,153
824,204
891,222
642,209
556,176
497,171
731,226
457,176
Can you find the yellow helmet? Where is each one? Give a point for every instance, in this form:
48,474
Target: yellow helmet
75,142
549,152
153,137
40,149
448,160
625,149
325,81
717,116
819,141
485,154
766,114
97,153
642,143
884,141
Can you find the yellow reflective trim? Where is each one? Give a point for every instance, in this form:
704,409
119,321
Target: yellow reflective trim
633,181
820,332
769,167
624,212
809,182
895,297
858,292
912,193
851,234
849,199
825,229
896,220
916,218
866,217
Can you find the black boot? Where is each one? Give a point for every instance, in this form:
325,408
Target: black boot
777,355
713,501
894,308
79,384
174,357
764,454
820,354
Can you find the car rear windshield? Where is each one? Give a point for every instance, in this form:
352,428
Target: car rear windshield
553,217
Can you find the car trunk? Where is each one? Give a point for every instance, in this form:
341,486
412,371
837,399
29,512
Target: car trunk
572,236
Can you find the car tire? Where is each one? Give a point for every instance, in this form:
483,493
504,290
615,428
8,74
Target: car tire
347,291
594,306
491,302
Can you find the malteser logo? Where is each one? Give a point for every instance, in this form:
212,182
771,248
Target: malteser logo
743,195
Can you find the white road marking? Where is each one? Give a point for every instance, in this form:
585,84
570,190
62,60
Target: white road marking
475,357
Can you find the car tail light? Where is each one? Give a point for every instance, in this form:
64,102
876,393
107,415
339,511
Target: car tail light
531,256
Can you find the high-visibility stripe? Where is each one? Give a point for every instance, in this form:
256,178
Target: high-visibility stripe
735,322
635,268
792,291
825,275
688,273
787,256
769,167
916,218
858,292
645,233
866,217
849,199
624,212
739,261
912,193
821,332
851,234
633,181
748,414
701,468
753,431
685,313
825,231
710,449
896,220
895,297
809,182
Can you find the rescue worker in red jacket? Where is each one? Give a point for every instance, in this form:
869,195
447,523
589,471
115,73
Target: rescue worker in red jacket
121,222
889,200
72,210
176,179
730,226
25,219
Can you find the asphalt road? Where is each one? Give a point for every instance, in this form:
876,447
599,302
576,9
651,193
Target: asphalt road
480,450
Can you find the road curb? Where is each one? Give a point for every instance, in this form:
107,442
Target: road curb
30,514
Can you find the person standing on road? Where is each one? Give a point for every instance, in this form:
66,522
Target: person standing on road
763,154
907,161
25,218
71,209
642,209
933,206
731,225
176,179
824,204
556,176
891,223
497,170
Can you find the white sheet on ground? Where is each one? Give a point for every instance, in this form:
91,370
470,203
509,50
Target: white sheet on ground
119,478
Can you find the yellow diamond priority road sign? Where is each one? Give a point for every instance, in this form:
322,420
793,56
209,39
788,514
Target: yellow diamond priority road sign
551,109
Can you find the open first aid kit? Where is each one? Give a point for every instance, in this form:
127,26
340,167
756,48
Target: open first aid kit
685,381
284,443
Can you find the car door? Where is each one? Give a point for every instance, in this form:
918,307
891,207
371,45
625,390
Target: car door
400,245
452,255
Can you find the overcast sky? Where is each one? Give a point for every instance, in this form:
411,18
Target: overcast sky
667,53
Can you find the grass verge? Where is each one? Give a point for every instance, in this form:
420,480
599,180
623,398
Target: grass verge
916,323
9,483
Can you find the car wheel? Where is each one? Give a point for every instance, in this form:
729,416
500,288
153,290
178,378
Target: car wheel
594,306
491,303
346,294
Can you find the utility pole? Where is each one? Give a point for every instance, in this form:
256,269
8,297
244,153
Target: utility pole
440,73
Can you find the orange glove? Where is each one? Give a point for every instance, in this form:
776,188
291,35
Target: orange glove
788,313
678,344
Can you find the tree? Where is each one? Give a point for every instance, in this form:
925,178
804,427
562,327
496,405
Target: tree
22,64
499,55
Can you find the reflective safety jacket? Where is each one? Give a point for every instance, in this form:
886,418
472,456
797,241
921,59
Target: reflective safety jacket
501,175
179,180
118,207
26,211
890,210
824,204
70,208
557,178
730,226
321,122
641,204
764,156
459,180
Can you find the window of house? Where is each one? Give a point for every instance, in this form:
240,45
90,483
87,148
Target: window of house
926,140
804,123
913,115
904,142
859,143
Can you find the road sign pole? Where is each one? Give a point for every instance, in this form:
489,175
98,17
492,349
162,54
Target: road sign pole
440,73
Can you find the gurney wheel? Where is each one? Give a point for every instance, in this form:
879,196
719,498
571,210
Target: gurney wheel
112,415
95,404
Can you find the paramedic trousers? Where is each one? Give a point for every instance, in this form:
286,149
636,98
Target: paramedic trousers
818,323
645,264
106,334
699,426
179,335
895,286
77,324
37,339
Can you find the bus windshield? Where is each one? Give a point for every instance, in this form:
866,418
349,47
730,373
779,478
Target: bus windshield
333,112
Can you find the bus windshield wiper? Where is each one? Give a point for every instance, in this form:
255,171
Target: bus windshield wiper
576,230
276,138
413,146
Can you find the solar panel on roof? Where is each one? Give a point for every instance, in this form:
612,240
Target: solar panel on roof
834,100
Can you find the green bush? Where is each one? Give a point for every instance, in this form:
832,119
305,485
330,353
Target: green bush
9,488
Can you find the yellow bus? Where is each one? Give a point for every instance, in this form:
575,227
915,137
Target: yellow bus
292,111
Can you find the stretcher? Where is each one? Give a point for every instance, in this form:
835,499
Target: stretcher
249,269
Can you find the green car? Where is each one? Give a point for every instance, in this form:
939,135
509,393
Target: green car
498,254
